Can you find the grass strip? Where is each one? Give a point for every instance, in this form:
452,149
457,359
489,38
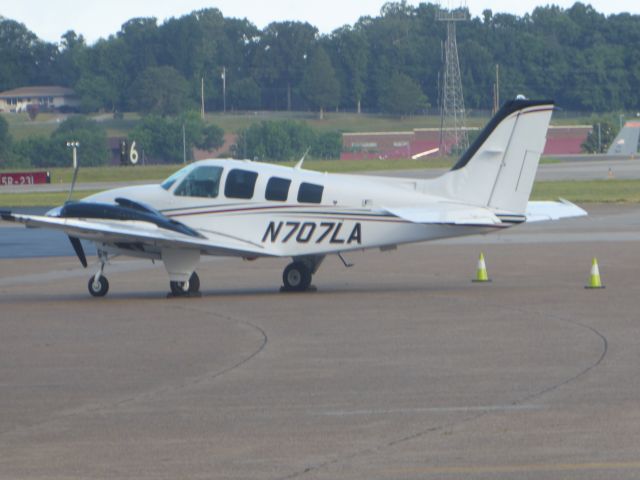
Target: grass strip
591,191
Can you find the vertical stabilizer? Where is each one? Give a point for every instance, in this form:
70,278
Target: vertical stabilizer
499,168
627,141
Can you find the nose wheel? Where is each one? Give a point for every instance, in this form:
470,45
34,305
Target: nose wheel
98,287
98,283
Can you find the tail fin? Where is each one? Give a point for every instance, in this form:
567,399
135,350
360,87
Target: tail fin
499,168
627,142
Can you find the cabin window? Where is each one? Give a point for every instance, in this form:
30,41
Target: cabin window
240,184
277,189
310,193
203,181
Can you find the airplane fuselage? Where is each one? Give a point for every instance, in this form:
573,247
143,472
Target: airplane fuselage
347,212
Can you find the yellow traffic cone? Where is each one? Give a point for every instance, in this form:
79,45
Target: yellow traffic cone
481,271
594,277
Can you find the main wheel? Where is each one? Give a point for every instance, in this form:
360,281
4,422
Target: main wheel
296,277
99,288
194,283
177,288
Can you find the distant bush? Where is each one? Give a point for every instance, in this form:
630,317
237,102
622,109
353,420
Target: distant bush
53,151
600,137
285,140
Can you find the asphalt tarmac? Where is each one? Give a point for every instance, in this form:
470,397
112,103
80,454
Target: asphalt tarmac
397,368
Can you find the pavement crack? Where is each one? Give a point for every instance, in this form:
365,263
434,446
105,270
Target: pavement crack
477,415
188,382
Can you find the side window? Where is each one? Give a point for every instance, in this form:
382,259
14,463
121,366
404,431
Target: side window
240,183
202,181
310,193
277,189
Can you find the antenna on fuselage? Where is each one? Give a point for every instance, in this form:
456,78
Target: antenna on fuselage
301,161
74,146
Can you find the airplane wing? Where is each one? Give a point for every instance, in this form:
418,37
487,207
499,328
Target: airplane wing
114,231
541,211
446,213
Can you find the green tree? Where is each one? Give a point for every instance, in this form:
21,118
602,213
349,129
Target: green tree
319,84
91,136
327,145
39,151
96,92
161,91
350,56
161,137
245,94
274,140
600,137
70,60
31,151
402,96
5,141
282,54
107,60
26,60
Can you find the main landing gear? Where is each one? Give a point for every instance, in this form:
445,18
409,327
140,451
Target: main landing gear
297,276
186,289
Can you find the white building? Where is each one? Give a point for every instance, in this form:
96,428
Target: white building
46,97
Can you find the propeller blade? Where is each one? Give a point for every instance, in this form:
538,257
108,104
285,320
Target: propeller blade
77,246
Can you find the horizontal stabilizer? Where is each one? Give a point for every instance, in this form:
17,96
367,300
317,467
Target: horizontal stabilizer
446,213
544,210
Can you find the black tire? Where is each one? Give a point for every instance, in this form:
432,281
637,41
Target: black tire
99,288
177,288
296,277
194,283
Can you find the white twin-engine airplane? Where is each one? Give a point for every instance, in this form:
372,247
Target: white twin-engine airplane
248,209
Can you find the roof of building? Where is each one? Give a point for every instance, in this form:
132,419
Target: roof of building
41,91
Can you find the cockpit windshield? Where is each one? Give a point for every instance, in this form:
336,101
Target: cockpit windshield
202,181
169,182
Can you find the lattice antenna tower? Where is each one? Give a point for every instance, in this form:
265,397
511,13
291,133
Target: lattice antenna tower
453,134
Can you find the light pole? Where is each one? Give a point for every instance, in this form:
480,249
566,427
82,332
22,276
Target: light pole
224,89
73,145
184,144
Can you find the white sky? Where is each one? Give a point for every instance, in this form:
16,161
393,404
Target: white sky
94,19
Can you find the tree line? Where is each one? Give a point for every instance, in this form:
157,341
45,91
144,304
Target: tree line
389,63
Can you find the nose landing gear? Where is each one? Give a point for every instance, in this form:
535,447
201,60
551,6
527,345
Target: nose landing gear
98,284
